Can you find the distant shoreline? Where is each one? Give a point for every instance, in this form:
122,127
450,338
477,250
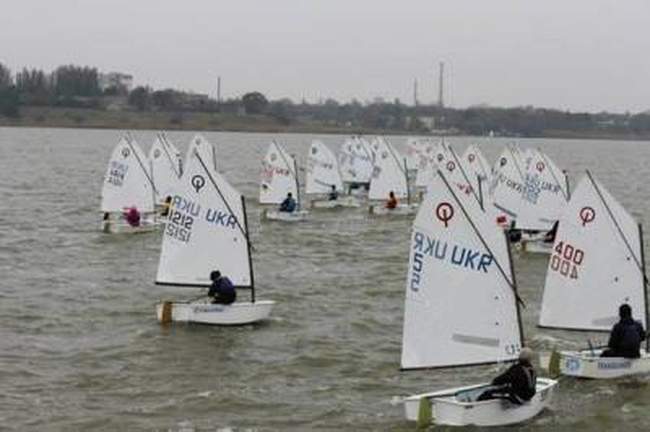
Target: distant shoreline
76,118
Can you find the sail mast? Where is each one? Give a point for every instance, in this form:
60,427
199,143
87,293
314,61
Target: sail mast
248,245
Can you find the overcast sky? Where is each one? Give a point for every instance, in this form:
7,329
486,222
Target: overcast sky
571,54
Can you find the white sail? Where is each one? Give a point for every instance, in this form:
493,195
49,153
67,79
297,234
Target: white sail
355,161
165,171
205,230
322,170
596,263
415,148
460,305
278,176
127,183
477,167
426,165
389,173
175,153
544,194
507,185
457,175
205,149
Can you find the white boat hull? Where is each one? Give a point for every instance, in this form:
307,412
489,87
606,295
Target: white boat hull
345,202
588,364
121,227
448,407
295,216
204,312
400,210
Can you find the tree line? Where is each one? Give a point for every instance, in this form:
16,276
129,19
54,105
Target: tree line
79,87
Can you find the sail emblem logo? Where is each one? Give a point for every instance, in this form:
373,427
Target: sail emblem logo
198,181
440,157
125,152
451,166
384,155
503,161
540,166
156,153
273,157
587,215
471,157
444,213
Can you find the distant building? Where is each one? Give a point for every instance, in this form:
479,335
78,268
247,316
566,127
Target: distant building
122,83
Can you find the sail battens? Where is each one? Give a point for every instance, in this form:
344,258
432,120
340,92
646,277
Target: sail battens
475,340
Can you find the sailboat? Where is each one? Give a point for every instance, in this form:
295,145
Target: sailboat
355,162
279,177
389,175
204,148
127,188
207,230
529,199
415,148
461,309
478,169
596,265
323,175
165,168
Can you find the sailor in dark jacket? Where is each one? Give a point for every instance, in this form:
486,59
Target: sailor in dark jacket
289,204
517,384
222,289
626,336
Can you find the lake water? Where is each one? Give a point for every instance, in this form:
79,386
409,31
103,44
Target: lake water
80,348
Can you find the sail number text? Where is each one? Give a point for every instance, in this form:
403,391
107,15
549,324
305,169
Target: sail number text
566,260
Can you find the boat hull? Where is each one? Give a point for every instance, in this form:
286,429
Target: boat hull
118,227
275,215
204,312
588,364
449,407
400,210
346,202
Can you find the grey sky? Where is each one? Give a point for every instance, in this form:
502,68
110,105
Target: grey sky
570,54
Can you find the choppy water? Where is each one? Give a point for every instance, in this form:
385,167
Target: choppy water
80,348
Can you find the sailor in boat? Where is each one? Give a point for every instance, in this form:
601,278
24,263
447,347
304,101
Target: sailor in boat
166,206
626,336
132,217
517,384
289,204
222,290
333,195
391,202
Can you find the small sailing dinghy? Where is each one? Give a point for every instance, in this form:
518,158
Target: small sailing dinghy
323,178
529,199
279,177
597,264
478,169
389,175
355,162
207,230
165,168
460,261
128,191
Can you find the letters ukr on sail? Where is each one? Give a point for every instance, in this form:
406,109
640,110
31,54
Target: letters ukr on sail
460,304
204,230
127,182
595,265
